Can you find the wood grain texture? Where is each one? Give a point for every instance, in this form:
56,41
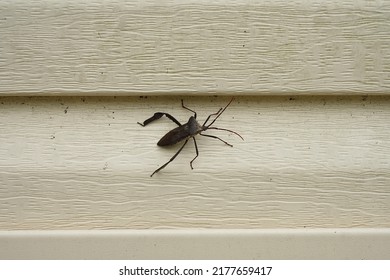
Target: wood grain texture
84,163
248,47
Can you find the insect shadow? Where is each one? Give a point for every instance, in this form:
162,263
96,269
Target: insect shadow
186,131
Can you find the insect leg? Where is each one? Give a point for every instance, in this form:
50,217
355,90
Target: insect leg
158,115
197,152
219,113
212,115
215,137
182,104
172,158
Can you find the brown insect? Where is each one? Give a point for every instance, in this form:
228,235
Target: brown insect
186,131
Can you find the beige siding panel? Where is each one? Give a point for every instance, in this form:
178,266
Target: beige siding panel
84,163
197,244
311,80
120,47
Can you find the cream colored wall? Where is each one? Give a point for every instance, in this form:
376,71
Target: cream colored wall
91,47
194,244
311,82
307,162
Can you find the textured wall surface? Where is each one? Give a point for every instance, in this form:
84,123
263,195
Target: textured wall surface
84,163
312,84
199,47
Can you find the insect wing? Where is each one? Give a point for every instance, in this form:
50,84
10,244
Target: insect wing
174,136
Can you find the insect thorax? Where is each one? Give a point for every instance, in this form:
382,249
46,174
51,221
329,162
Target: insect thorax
193,126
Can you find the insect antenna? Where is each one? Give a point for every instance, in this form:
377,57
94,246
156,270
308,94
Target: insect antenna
226,130
220,111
